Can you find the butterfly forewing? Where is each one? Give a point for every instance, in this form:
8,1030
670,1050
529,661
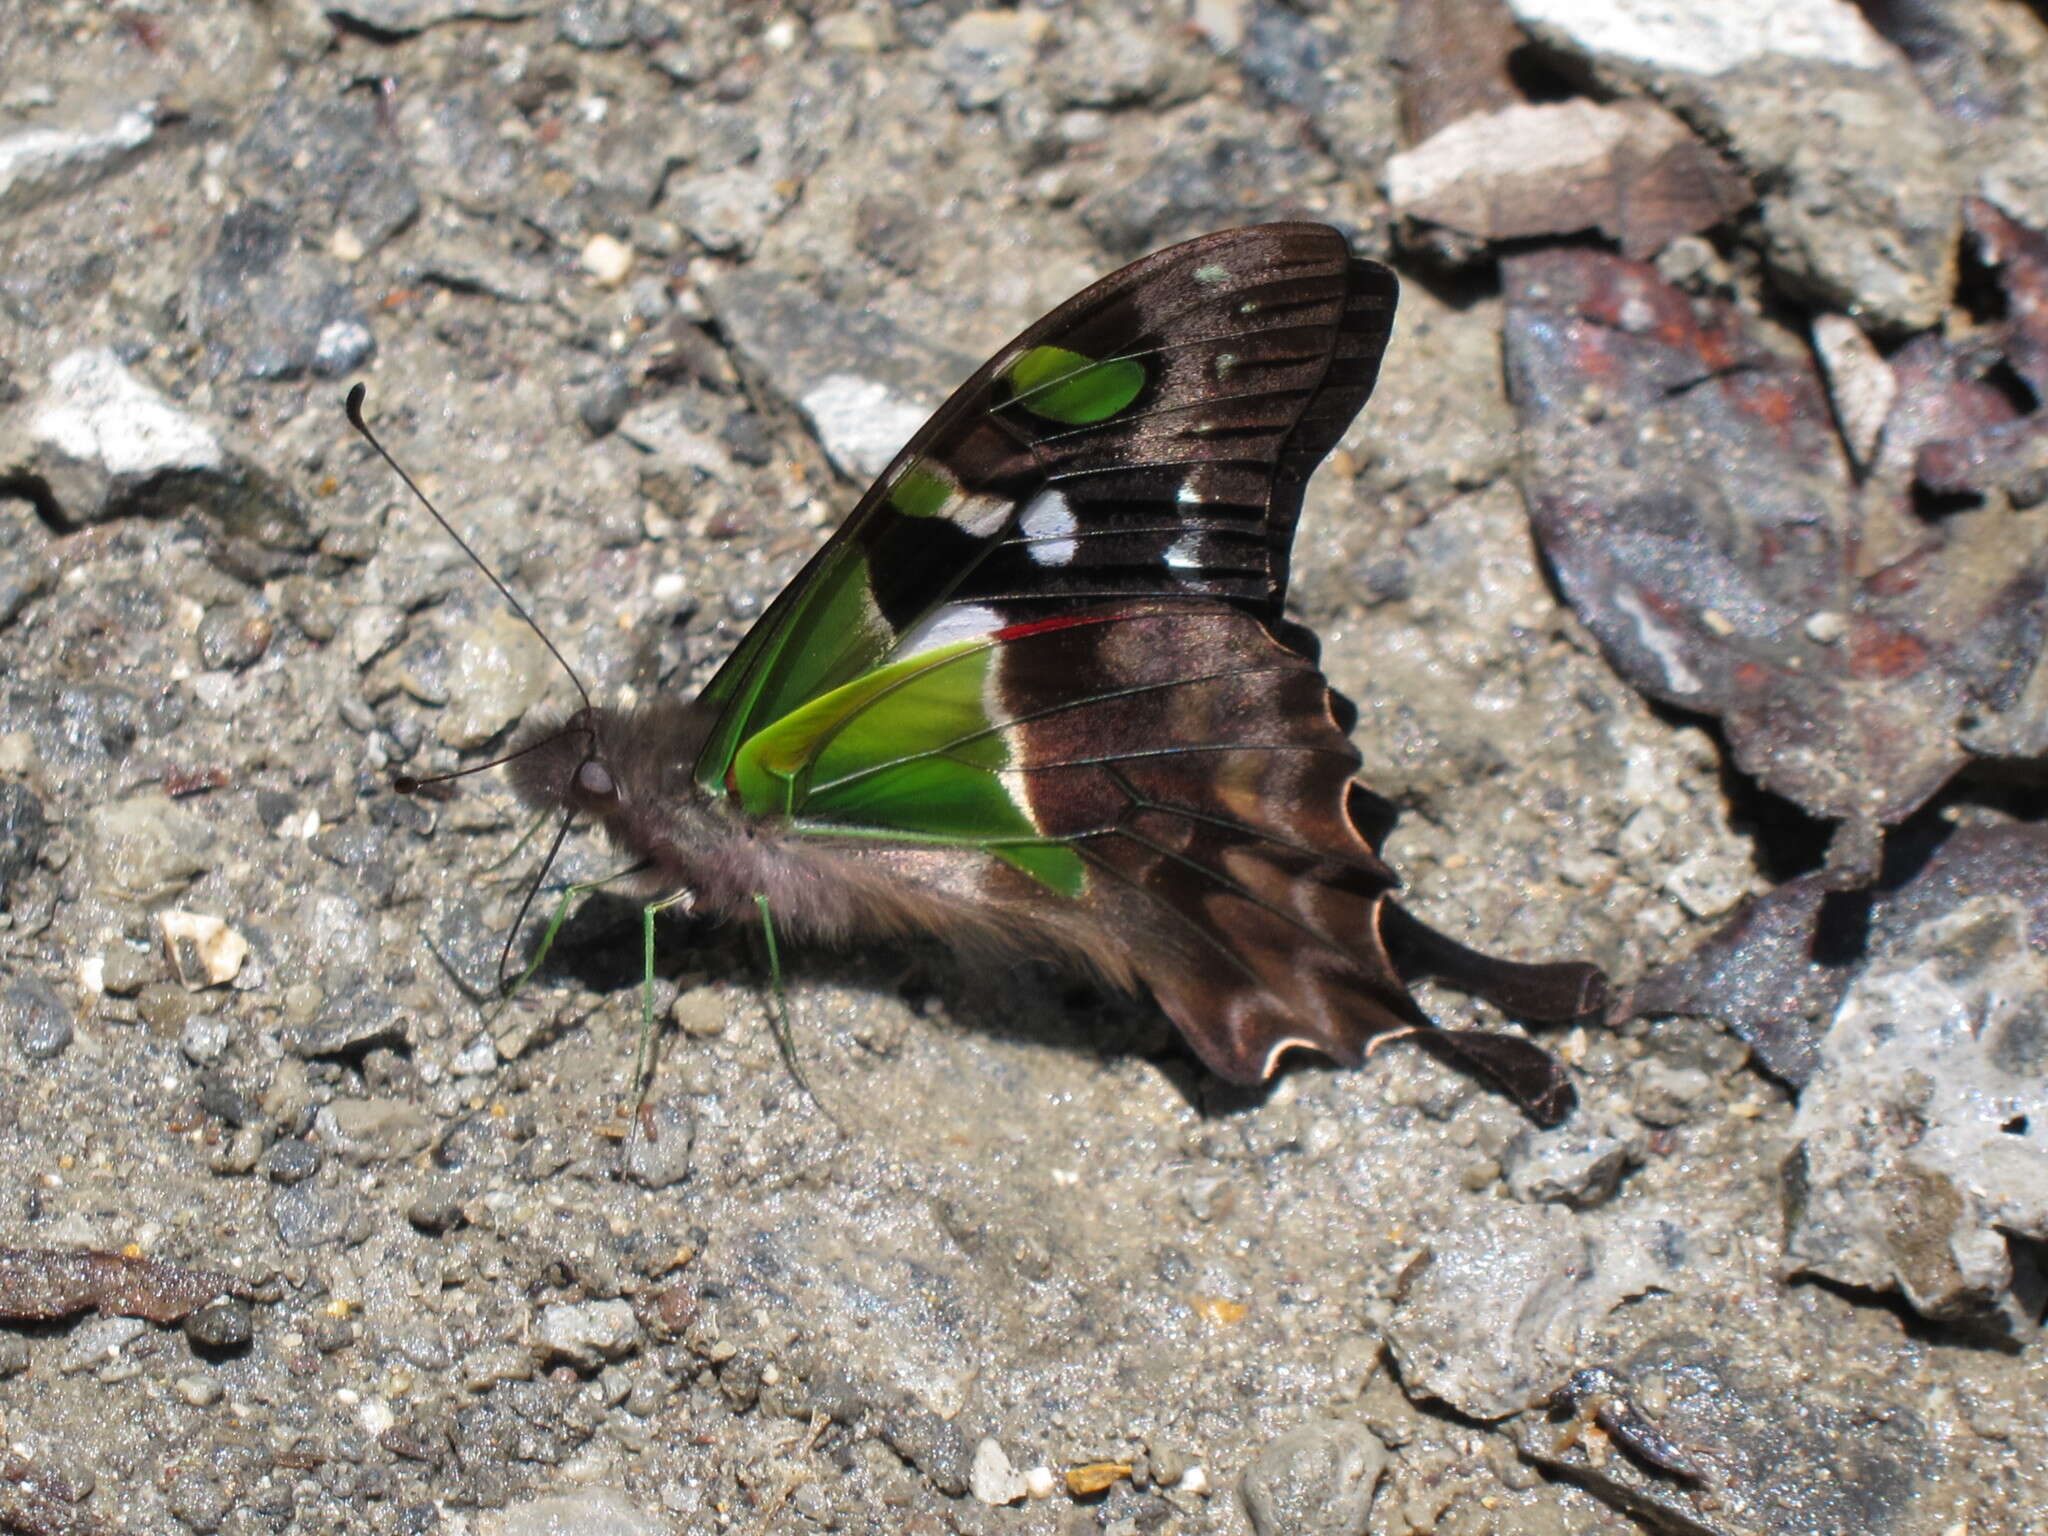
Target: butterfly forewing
1149,438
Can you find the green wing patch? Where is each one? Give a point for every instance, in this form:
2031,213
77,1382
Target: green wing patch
1071,389
907,751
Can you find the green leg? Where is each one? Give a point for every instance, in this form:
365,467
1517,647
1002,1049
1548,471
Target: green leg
547,938
778,1012
643,1066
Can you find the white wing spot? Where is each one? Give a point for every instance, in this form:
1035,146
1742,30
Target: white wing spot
1189,494
943,626
1185,552
1212,273
982,516
1048,522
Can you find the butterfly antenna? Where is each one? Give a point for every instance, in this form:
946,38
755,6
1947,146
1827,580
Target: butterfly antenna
353,405
525,909
412,784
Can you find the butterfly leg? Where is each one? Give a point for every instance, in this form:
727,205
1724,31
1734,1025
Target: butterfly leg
643,1061
507,990
778,1011
511,989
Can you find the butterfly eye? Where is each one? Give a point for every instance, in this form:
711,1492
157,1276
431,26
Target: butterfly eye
594,781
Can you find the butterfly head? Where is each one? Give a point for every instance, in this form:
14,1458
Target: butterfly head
627,769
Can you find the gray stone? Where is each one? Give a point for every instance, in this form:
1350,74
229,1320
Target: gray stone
728,212
402,18
597,26
988,55
268,306
373,1130
37,164
865,383
1924,1130
204,1039
604,404
1316,1480
1666,1093
291,1161
587,1333
328,159
347,1025
1499,1307
307,1216
659,1144
37,1018
1630,169
221,1325
95,1342
1575,1165
935,1447
497,669
27,568
149,845
468,263
1828,1447
234,637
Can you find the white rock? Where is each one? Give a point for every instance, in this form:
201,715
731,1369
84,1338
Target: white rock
608,260
595,1512
992,1479
41,163
861,423
203,950
1923,1141
1860,382
587,1333
99,414
1710,39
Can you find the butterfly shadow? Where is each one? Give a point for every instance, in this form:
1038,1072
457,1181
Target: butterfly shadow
600,947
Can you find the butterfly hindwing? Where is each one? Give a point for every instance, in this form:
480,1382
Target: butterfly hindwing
1149,438
1171,775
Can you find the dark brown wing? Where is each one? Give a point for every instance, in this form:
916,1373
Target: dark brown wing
1151,437
1210,794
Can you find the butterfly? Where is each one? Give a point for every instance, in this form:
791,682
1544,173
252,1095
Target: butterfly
1037,696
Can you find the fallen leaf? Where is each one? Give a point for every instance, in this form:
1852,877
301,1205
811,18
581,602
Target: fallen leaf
1687,480
37,1284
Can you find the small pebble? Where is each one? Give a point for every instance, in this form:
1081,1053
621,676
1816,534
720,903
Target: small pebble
587,1333
37,1018
221,1325
204,1039
658,1146
992,1479
1826,627
291,1160
608,261
199,1391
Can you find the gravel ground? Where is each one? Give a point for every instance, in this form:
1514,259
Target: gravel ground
612,274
